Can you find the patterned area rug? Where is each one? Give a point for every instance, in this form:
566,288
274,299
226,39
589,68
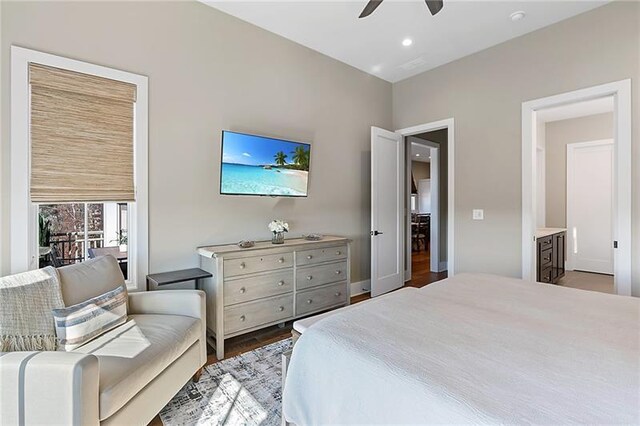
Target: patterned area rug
243,390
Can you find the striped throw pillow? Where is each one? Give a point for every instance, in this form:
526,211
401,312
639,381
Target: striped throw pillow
81,323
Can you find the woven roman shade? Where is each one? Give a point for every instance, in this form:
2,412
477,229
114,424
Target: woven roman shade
81,137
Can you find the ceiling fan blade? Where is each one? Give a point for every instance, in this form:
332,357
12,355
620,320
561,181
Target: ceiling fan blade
434,6
369,8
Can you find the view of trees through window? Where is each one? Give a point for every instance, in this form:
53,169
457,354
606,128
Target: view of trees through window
71,232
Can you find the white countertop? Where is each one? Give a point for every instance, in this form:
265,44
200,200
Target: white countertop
545,232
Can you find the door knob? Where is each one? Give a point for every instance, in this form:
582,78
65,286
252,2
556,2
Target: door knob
280,283
376,233
243,290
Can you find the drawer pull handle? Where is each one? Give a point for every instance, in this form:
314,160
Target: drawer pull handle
243,290
281,308
338,294
309,277
242,318
280,283
281,260
338,253
309,301
309,257
338,272
242,265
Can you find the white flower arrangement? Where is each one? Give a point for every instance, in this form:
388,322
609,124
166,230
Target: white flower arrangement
278,225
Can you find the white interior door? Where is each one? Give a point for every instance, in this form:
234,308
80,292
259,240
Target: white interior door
590,193
387,261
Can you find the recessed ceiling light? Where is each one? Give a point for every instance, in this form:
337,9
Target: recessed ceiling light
376,68
417,155
517,16
407,42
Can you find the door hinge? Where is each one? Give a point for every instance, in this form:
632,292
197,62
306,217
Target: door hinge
615,244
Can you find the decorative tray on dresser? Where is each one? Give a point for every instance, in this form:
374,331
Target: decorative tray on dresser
269,284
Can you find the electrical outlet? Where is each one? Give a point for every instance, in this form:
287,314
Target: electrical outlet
478,214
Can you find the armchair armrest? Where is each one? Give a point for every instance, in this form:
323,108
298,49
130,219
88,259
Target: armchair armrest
42,388
190,303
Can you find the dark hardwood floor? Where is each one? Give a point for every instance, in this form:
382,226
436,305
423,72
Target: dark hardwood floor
420,277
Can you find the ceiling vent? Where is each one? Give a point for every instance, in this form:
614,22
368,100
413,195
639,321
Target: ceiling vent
418,62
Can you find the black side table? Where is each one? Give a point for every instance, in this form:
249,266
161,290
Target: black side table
174,277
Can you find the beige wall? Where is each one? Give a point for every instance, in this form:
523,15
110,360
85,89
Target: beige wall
484,94
207,72
420,170
558,134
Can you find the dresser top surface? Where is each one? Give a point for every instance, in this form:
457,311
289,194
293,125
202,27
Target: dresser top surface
218,250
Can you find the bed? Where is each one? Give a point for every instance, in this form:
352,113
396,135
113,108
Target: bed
470,349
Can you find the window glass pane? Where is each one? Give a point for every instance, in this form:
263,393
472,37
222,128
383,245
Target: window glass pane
115,234
62,238
61,233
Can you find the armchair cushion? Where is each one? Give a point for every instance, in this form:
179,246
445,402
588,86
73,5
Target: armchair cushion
133,354
82,281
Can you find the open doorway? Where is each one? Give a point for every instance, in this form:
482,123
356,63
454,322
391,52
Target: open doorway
427,207
576,216
575,176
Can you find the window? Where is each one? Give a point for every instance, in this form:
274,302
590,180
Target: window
72,232
79,164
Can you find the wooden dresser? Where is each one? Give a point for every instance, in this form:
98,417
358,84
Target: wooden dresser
269,284
551,253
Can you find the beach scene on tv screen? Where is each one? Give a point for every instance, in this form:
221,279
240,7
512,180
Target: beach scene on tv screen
256,165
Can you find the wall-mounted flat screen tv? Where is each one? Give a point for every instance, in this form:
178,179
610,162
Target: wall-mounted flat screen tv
257,165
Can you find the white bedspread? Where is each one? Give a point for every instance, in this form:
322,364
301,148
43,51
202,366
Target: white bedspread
471,349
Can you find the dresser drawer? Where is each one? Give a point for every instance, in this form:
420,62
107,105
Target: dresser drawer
545,242
545,275
255,314
248,265
321,274
321,298
309,257
546,257
257,287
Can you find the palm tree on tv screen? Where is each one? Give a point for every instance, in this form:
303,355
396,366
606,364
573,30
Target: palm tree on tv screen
301,157
281,158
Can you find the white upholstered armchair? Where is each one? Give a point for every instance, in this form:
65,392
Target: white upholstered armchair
124,376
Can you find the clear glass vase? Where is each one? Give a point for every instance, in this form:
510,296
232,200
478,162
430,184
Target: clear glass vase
278,238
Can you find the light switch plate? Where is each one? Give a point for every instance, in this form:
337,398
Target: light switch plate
478,214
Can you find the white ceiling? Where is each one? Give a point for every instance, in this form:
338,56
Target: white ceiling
578,109
420,152
374,44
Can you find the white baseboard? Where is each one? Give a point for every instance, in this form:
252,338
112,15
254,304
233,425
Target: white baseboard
360,287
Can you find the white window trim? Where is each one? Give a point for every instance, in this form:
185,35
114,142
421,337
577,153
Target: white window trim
23,217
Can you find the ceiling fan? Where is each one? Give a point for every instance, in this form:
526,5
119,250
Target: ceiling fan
434,6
